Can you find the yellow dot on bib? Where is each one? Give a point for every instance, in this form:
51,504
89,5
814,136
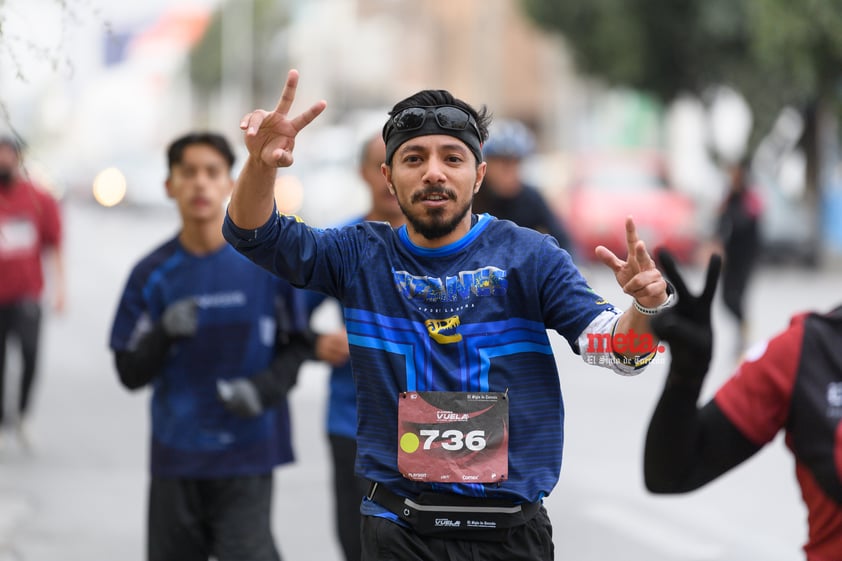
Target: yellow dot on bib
409,442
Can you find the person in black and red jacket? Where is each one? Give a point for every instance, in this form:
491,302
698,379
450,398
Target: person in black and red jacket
792,382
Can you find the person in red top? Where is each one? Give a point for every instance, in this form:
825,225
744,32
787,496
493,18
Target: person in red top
30,228
791,382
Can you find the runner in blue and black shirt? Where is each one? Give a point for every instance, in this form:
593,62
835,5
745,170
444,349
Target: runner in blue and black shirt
460,411
220,341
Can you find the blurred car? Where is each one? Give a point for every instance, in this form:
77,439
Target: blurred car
606,188
790,224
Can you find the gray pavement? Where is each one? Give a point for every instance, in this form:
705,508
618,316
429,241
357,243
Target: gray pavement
79,493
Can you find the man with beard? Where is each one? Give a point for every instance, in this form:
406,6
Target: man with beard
30,229
459,422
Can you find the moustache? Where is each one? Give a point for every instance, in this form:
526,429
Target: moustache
432,191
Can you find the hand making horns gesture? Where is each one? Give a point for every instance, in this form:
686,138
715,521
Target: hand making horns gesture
637,276
270,136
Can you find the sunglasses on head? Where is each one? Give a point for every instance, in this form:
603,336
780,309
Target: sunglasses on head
448,117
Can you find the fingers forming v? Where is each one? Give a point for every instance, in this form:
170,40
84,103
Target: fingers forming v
307,117
671,272
714,267
288,97
644,262
609,258
631,236
288,93
711,279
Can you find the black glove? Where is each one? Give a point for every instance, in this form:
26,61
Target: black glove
274,383
181,318
239,396
140,366
686,326
249,397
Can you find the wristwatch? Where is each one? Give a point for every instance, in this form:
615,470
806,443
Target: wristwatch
669,302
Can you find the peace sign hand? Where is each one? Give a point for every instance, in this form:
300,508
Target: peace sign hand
270,136
687,325
637,275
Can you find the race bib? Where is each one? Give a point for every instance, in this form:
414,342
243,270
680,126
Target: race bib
18,236
453,437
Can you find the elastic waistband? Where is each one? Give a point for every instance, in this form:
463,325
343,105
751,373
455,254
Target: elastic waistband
457,516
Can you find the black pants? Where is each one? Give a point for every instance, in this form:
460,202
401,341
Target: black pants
736,273
194,519
384,540
21,321
348,492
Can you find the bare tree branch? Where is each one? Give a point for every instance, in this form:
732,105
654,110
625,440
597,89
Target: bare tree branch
14,45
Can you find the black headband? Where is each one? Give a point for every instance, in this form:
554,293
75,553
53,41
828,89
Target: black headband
395,137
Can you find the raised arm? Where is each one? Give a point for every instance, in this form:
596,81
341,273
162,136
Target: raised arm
270,140
686,447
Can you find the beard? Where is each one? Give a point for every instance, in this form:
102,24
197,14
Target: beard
435,224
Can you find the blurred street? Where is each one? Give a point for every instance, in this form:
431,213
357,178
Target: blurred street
80,494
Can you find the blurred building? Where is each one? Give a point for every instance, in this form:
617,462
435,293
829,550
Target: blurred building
362,56
371,53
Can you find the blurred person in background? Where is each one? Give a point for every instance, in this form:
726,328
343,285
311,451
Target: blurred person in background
447,320
738,240
504,193
220,341
30,232
348,489
792,382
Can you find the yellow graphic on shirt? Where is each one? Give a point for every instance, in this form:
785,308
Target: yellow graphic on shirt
436,326
600,300
293,216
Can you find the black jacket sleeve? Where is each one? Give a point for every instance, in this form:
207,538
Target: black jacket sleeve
687,447
139,367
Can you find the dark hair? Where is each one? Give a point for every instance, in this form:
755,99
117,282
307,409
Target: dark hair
429,98
175,152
